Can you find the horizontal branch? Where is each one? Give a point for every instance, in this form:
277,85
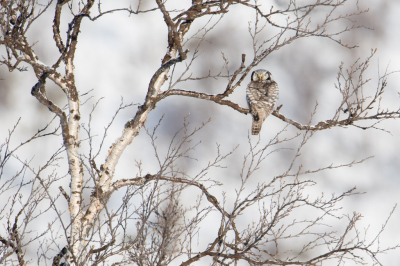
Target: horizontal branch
319,126
205,96
333,123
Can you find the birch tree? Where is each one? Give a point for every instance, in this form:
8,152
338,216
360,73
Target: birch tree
152,226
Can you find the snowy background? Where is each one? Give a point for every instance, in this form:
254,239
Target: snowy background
118,54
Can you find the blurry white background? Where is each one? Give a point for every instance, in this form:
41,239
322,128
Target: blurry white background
118,54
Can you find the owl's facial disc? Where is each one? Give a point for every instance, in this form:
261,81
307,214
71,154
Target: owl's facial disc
262,77
254,77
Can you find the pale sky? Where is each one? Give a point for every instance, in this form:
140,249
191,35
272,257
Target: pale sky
118,54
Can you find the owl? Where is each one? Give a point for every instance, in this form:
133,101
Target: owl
262,95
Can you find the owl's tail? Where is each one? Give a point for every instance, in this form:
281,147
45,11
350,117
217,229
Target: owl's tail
256,127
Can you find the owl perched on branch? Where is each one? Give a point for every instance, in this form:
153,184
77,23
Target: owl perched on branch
262,96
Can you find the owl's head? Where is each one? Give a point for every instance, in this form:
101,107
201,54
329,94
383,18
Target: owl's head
261,75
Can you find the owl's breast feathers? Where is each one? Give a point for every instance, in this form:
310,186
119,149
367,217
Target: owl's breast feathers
262,96
272,89
262,91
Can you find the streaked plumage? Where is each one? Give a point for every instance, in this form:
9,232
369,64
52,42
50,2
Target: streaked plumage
262,96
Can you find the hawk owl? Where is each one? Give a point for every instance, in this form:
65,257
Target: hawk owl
261,94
